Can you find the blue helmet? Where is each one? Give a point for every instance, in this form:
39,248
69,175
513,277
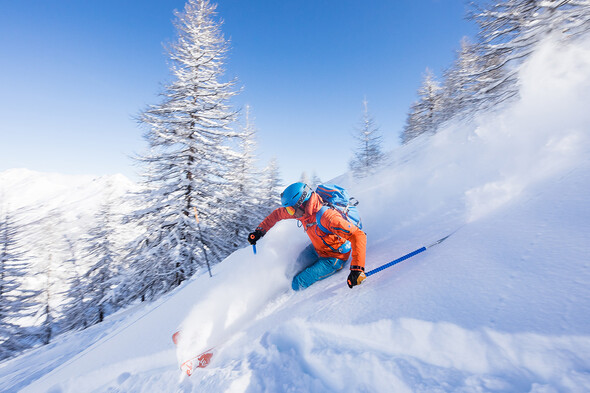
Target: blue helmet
295,195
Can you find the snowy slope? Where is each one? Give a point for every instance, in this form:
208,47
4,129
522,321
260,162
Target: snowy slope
503,305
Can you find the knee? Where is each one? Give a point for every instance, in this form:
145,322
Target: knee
338,264
295,284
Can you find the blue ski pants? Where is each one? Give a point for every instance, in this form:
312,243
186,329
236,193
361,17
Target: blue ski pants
317,268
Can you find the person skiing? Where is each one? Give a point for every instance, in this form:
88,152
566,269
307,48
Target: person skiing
328,252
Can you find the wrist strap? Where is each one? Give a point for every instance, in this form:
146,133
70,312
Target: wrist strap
356,268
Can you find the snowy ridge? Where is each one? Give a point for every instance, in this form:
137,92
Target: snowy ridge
503,305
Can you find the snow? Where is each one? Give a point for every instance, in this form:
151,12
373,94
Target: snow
502,305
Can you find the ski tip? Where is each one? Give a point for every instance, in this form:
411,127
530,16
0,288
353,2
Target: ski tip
176,337
187,367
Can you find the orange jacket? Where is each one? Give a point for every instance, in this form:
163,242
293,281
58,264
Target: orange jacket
342,230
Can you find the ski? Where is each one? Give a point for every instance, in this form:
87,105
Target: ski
199,361
202,360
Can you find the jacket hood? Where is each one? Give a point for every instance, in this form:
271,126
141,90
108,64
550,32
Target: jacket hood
314,204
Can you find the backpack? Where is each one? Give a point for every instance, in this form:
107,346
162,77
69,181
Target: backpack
337,198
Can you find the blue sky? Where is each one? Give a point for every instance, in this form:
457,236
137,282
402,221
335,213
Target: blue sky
75,74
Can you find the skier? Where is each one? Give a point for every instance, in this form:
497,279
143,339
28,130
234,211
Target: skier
328,252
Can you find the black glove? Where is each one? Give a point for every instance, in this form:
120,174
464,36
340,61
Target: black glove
254,236
356,276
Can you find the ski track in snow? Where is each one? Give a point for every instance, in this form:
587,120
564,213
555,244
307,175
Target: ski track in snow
503,305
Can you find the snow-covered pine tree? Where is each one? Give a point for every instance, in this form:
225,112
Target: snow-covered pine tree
104,254
16,302
247,182
424,113
75,313
48,261
188,164
484,74
368,153
459,90
272,187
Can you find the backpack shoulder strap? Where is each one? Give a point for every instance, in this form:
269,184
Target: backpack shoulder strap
318,219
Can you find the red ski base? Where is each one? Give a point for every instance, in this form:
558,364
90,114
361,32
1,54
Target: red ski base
199,361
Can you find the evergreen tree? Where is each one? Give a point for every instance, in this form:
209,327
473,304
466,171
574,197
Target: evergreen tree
47,313
76,314
368,154
190,158
102,250
424,113
16,302
272,188
484,74
249,189
459,91
51,276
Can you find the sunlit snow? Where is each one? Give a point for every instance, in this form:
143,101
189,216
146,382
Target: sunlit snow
502,305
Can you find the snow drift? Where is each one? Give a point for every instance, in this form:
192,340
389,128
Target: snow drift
502,305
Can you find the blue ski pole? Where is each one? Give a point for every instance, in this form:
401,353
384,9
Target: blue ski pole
253,245
407,256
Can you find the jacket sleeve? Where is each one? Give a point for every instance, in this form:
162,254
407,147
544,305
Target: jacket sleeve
348,231
274,217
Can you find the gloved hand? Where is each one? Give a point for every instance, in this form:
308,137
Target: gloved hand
356,276
255,236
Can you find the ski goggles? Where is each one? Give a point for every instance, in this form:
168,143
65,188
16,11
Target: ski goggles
299,205
291,209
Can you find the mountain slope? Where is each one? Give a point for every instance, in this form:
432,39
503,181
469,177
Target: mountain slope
502,305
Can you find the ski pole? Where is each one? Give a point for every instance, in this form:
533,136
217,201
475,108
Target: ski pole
407,256
253,245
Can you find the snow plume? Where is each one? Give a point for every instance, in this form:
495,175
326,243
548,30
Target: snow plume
542,134
240,289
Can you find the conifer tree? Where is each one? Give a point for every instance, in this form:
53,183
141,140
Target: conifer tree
272,187
246,181
191,156
368,154
102,251
423,116
76,315
459,90
16,302
48,268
